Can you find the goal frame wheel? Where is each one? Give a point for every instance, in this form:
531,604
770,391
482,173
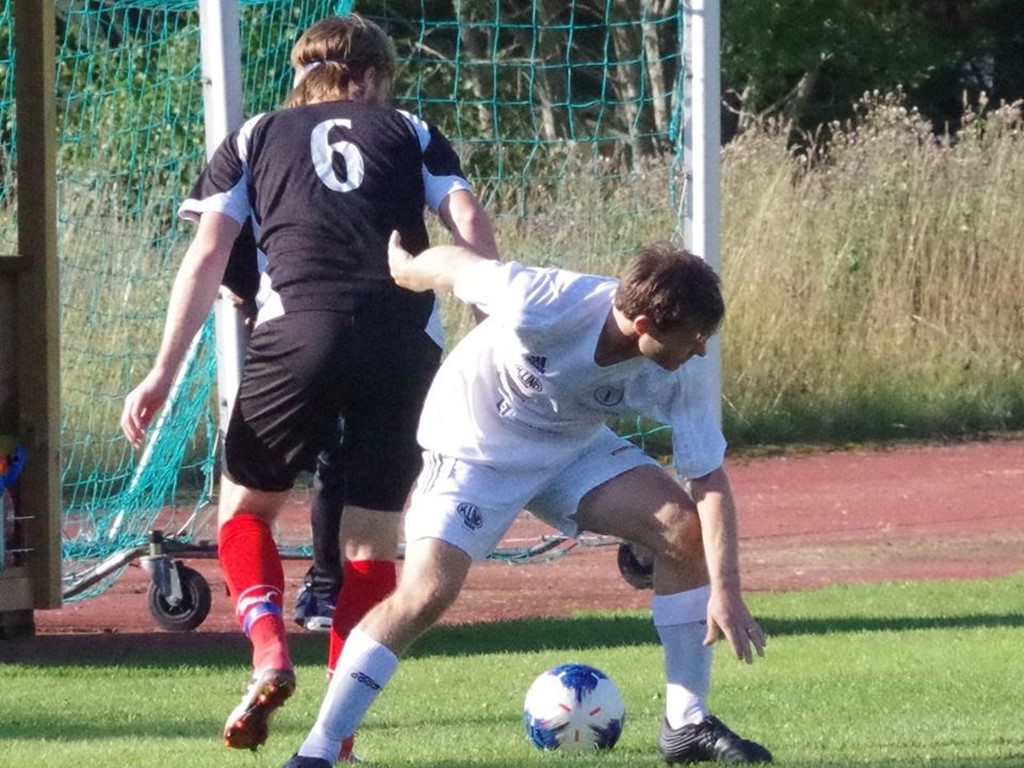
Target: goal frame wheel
184,613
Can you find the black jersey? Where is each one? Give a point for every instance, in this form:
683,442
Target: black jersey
325,185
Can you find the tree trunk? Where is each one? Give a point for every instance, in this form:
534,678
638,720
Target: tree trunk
655,61
476,41
547,48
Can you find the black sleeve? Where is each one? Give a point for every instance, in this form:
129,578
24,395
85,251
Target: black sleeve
241,275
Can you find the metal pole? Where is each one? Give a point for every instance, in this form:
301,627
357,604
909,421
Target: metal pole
702,140
221,48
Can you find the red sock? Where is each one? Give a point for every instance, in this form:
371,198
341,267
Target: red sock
364,584
252,569
346,749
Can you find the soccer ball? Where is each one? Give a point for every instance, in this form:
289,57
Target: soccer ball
574,708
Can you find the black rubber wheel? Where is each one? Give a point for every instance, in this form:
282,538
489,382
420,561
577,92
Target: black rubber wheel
193,608
636,565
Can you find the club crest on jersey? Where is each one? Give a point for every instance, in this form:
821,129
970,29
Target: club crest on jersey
528,379
471,516
609,395
539,362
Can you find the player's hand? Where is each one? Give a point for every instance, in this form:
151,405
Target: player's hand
399,262
728,617
435,269
141,404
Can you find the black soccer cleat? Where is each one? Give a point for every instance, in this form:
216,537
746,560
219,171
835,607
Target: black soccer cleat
299,761
709,741
314,611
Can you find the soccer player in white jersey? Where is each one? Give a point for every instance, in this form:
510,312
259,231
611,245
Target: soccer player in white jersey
324,181
516,418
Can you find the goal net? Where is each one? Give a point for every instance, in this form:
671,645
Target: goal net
566,114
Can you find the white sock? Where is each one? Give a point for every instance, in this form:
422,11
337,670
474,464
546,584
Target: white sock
681,621
364,668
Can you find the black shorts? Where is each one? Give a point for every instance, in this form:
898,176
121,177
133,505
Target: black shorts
306,371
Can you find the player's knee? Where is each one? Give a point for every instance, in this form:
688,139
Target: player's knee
675,533
685,539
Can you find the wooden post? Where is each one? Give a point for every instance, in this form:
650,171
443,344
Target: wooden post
29,325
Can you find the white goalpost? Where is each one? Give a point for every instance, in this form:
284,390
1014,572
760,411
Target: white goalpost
701,72
221,53
702,139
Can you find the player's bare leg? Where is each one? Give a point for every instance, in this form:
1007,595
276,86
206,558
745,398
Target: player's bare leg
647,506
432,577
370,546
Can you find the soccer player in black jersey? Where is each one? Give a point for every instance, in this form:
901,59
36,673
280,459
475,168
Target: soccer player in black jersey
318,595
325,181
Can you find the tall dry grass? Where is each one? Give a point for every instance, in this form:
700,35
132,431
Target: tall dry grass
876,289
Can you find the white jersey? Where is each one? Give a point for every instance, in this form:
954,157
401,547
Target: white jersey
522,388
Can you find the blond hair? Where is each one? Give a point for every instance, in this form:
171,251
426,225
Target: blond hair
333,57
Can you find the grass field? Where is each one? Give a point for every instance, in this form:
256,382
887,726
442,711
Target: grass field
903,674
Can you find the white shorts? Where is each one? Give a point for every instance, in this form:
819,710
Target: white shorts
471,505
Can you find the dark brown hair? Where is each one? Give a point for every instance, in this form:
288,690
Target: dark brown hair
332,57
673,287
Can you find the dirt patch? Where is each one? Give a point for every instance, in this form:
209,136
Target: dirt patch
919,512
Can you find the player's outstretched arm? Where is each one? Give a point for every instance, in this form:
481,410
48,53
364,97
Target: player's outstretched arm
192,295
727,613
470,227
436,269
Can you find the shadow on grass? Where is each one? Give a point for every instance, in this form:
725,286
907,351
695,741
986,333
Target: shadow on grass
907,762
611,631
830,625
162,649
997,762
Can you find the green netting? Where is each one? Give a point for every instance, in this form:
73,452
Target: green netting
566,115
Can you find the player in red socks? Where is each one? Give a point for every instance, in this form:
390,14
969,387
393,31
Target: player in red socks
323,182
252,568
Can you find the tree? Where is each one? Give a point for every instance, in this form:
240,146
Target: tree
808,61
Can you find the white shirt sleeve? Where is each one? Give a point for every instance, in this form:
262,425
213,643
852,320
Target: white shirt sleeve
442,174
229,161
526,298
493,285
233,202
698,445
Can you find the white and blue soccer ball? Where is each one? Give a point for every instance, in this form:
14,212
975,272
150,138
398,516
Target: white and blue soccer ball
574,708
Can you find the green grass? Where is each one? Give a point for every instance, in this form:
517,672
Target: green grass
904,674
